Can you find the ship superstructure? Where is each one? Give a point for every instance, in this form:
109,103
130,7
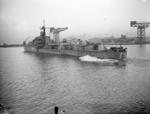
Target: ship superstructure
53,45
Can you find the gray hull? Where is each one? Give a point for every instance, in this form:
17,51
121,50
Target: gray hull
104,54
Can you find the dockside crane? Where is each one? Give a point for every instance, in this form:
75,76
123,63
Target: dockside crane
141,26
55,32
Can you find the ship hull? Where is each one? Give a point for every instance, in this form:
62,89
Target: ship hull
103,54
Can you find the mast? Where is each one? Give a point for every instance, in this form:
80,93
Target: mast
43,32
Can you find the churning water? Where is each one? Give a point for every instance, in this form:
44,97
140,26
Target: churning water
35,83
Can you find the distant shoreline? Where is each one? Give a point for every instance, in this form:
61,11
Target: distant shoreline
127,44
10,45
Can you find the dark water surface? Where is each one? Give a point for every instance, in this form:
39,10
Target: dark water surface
34,84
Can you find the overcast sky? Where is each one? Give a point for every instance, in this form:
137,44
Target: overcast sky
20,19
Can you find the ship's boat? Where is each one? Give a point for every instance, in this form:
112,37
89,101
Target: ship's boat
52,45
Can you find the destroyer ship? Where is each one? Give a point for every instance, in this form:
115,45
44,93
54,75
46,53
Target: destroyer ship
51,44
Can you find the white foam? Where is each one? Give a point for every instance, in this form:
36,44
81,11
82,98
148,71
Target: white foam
88,58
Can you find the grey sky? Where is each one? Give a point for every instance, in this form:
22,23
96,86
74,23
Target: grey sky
20,19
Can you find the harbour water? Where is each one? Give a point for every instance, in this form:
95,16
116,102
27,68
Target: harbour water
35,83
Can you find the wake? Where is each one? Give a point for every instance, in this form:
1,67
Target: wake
88,58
